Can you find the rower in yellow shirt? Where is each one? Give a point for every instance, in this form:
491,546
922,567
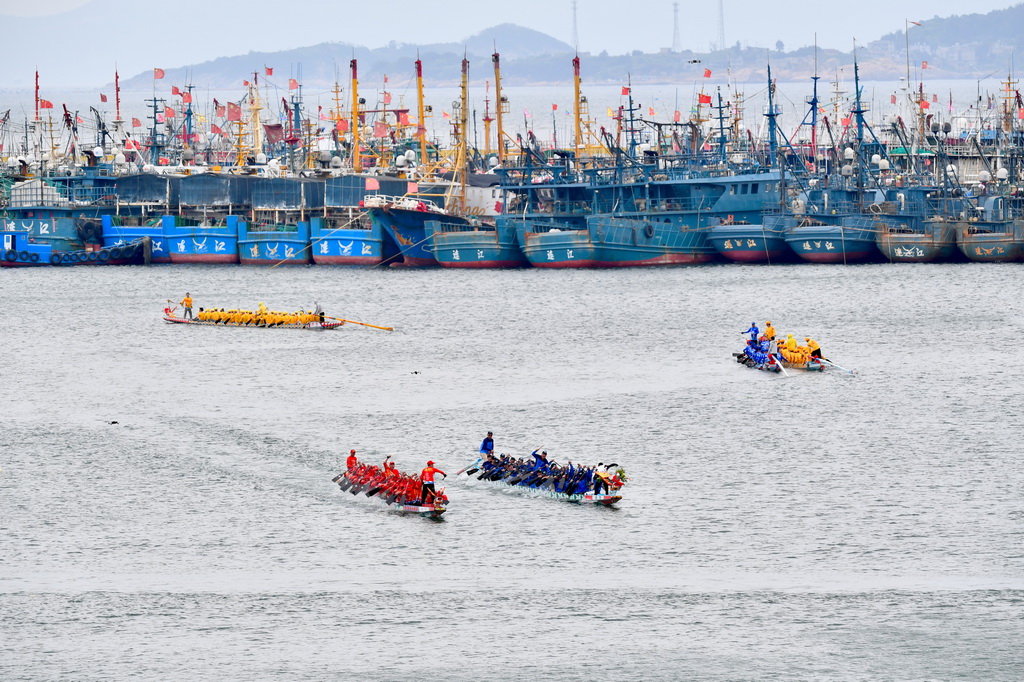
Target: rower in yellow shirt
815,348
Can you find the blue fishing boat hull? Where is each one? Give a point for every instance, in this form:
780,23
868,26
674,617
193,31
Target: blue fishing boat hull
843,241
406,229
115,235
636,242
461,245
991,242
202,244
934,242
274,244
555,245
753,243
347,245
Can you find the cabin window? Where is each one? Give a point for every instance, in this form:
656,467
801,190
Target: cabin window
754,188
744,189
732,190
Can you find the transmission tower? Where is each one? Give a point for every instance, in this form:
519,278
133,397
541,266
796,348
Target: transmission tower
676,47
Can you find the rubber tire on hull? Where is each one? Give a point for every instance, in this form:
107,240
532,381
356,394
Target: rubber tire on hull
55,259
10,255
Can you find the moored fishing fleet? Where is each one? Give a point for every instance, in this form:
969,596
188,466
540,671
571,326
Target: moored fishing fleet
364,184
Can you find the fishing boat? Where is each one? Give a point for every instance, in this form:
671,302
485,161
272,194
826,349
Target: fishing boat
474,245
19,250
201,241
998,235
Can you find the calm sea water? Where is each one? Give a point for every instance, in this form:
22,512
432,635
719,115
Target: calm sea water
815,527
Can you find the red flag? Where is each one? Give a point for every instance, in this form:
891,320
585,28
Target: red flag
275,132
676,117
925,104
159,118
380,129
372,183
103,98
293,84
385,78
707,73
215,129
158,73
650,111
625,90
79,119
387,98
892,99
136,123
704,99
935,98
245,83
554,107
445,114
222,111
1020,114
269,70
845,122
924,65
169,112
342,125
403,118
45,104
186,98
234,112
175,90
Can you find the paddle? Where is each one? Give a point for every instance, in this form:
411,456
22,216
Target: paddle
778,361
478,460
848,371
340,319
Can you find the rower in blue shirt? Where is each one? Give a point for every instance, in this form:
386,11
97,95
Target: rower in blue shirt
753,331
487,447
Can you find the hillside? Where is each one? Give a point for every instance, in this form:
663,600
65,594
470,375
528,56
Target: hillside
966,46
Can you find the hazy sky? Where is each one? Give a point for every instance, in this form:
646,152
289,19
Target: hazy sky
77,42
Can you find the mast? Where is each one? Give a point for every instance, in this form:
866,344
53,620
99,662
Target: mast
357,161
576,114
461,157
772,122
487,119
37,94
117,96
254,114
421,112
500,108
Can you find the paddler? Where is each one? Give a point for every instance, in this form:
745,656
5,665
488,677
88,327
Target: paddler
427,482
815,348
487,447
769,331
753,331
352,462
186,303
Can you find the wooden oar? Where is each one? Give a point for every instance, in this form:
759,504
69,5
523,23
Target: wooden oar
364,324
848,371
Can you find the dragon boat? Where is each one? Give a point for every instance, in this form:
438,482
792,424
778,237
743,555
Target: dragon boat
519,481
774,363
402,491
319,323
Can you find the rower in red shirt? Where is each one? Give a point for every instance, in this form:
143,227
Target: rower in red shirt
427,483
352,460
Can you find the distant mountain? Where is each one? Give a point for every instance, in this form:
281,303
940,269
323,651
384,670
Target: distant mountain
954,47
324,64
